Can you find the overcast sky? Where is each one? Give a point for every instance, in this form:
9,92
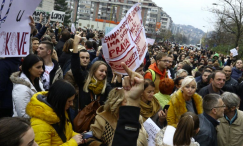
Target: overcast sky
189,12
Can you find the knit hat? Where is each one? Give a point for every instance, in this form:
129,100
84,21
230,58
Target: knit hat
166,86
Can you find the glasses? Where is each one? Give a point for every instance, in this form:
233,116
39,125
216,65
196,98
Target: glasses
166,61
219,106
84,57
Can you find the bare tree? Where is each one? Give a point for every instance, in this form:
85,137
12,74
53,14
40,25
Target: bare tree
230,15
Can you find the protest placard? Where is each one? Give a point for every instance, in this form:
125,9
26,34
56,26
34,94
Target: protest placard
234,52
57,16
126,42
151,41
37,13
152,129
14,27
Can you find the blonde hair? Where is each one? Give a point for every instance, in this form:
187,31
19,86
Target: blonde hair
187,80
92,71
114,100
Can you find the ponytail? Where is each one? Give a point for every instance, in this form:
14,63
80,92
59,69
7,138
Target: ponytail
186,129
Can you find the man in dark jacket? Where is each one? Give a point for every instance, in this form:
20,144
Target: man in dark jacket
204,82
7,67
217,83
213,107
64,37
229,80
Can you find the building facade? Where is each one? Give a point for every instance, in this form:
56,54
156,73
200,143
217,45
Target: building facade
46,5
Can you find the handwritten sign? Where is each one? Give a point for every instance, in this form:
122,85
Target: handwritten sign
152,129
234,52
37,13
126,42
57,16
14,27
150,41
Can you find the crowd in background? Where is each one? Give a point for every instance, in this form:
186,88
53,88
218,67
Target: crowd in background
64,88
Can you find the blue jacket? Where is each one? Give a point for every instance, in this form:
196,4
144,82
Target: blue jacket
41,32
7,67
207,135
236,74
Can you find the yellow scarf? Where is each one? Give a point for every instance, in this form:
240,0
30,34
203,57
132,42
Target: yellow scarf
96,86
148,110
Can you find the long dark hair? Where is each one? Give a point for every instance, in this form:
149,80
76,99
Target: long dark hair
12,130
28,62
186,129
57,97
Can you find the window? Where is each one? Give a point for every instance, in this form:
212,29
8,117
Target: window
92,26
88,25
80,24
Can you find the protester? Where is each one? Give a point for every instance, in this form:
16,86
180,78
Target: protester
35,44
181,73
177,83
187,127
229,80
150,106
213,107
184,100
106,119
166,87
64,37
26,83
92,85
53,71
236,71
204,81
157,70
16,132
228,131
49,116
218,81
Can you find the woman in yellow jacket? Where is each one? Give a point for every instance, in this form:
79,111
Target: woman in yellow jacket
184,100
49,117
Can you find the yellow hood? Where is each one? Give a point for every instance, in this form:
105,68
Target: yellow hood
40,110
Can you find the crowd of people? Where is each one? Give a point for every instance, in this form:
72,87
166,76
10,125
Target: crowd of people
65,89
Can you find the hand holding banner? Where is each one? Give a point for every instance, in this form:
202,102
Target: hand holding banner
14,27
126,42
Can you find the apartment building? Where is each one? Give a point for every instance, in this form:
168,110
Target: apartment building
46,5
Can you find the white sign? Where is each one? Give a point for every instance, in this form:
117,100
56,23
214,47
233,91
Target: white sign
57,16
152,129
126,42
14,27
150,41
73,29
234,52
36,16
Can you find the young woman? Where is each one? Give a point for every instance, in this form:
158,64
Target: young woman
26,83
184,100
187,127
93,84
49,116
106,121
65,58
16,132
150,106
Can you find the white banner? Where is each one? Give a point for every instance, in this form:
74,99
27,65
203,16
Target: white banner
37,13
234,52
57,16
14,27
126,42
152,129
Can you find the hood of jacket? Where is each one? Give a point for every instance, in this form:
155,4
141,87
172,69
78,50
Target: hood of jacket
216,54
155,68
39,108
20,79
